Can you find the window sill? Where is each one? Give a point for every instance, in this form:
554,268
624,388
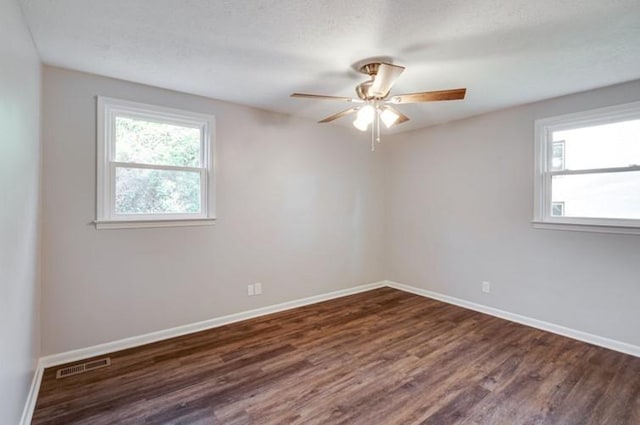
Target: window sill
137,224
596,228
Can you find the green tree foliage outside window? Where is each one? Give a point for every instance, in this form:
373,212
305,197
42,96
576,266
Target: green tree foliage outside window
156,191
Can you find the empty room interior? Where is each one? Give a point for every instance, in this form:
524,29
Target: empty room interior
337,212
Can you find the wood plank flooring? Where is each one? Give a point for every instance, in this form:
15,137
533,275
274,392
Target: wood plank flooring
380,357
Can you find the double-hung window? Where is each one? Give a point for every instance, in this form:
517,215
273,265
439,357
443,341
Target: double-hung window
154,166
588,170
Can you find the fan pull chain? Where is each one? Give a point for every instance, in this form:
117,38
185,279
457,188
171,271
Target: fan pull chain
373,143
378,125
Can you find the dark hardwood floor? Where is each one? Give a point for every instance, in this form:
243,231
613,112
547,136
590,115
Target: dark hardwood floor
380,357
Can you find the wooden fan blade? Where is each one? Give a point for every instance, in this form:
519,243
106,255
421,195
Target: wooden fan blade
429,96
385,77
323,97
339,115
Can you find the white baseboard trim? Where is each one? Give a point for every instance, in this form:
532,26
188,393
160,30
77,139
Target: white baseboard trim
32,397
122,344
600,341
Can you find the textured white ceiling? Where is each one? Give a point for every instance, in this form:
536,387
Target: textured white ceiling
506,52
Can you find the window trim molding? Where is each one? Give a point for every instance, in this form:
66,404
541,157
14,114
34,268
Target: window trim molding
592,228
141,224
543,128
107,109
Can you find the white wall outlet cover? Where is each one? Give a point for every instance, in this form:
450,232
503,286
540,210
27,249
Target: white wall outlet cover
486,286
257,288
250,290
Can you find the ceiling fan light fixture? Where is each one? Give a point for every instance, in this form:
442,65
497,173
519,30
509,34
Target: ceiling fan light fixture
388,117
366,114
360,124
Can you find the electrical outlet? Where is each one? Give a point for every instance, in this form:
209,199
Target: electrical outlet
257,288
486,286
250,290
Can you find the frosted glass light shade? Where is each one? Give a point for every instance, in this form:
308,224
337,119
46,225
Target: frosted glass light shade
389,117
360,125
366,114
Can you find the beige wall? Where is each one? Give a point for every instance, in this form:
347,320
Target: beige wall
299,209
19,208
461,202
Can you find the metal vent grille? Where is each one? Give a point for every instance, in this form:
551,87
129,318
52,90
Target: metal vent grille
84,367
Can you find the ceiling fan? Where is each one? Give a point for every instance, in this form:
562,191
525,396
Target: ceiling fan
375,103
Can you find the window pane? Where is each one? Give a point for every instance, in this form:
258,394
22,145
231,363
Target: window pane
601,146
144,191
606,195
147,142
557,156
557,209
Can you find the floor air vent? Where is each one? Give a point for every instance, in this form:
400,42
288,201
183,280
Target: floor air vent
81,368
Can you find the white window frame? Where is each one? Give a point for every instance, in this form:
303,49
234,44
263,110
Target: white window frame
544,129
107,111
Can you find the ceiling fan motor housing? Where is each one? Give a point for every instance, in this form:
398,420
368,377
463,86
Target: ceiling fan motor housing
362,89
